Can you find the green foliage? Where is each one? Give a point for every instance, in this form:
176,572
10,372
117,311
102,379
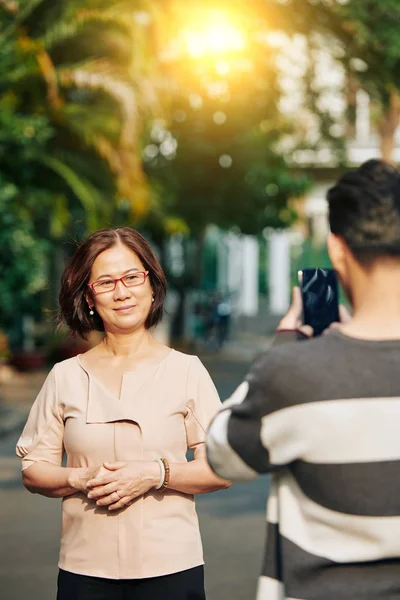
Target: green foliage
66,67
68,143
23,258
374,30
366,29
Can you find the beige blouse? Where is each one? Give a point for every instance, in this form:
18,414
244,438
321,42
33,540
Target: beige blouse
161,412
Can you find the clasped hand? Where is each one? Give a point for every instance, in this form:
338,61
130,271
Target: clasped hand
122,483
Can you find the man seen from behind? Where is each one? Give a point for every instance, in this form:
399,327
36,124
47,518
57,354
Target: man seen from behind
323,416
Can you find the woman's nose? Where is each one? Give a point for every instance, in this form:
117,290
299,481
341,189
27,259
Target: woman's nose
121,291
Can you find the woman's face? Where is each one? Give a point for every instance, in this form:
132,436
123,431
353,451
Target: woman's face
125,308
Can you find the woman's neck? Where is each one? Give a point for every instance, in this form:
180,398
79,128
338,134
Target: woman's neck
128,345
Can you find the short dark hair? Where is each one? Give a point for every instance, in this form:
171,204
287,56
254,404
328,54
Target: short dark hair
364,209
73,306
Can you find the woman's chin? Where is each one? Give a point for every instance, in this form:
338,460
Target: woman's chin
128,322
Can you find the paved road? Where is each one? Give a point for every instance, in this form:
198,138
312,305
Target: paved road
232,524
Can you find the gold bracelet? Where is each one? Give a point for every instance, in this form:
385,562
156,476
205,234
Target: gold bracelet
167,473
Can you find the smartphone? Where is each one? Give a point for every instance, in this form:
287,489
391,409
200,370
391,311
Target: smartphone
320,293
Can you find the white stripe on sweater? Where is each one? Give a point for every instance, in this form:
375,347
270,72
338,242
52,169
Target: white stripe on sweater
270,589
224,460
334,431
334,535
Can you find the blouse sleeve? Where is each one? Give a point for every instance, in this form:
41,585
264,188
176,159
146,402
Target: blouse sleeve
42,437
202,403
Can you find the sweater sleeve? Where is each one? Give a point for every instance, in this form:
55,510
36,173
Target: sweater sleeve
251,434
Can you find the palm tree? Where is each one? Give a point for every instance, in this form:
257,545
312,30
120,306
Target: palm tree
72,99
70,63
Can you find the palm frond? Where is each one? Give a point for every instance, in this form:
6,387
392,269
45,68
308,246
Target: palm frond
86,193
124,159
49,73
80,53
26,8
19,14
22,13
120,91
75,23
60,32
92,117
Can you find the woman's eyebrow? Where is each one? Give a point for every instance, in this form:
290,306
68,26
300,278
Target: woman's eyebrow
125,272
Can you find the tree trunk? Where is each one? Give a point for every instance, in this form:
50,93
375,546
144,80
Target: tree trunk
198,266
388,126
178,321
192,278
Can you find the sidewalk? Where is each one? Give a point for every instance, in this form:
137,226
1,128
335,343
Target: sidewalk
247,347
243,345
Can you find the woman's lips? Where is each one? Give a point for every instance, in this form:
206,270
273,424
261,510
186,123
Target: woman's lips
125,309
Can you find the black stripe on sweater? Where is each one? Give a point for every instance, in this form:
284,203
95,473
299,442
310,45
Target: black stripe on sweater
292,374
352,488
244,437
272,563
316,578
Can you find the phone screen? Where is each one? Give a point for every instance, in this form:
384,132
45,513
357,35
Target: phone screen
319,290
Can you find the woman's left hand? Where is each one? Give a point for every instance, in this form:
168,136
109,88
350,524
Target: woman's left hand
124,482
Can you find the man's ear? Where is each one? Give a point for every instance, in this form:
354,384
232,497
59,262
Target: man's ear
337,252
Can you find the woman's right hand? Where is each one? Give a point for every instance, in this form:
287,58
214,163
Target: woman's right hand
79,477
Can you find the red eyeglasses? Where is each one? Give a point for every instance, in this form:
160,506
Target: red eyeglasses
108,285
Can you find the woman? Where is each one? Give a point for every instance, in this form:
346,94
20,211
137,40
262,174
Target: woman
125,414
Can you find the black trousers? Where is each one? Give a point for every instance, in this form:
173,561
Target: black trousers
185,585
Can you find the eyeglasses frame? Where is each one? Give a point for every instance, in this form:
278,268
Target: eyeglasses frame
115,281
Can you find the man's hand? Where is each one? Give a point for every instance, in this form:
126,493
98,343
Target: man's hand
123,482
344,317
292,321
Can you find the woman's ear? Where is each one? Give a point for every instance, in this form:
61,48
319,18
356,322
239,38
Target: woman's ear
89,300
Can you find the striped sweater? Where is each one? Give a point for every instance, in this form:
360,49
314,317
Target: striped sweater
323,416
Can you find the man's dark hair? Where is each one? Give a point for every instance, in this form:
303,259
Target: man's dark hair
73,306
364,209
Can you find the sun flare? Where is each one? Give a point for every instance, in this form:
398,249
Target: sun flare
214,35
